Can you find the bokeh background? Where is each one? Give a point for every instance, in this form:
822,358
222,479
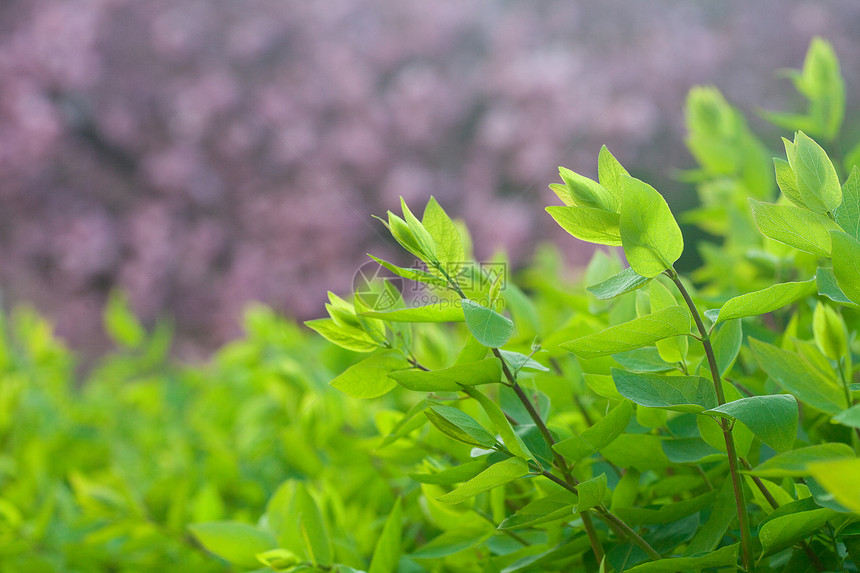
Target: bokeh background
202,154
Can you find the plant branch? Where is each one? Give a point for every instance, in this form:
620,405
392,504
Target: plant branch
737,485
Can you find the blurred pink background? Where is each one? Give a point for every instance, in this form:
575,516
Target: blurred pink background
206,153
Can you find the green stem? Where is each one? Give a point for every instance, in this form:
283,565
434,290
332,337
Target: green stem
737,485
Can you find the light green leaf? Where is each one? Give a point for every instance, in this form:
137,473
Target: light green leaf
829,331
773,419
650,235
387,551
817,180
369,378
847,214
487,326
765,300
312,528
849,417
542,510
497,474
588,224
460,426
445,311
487,371
518,361
236,542
795,463
411,274
792,372
827,286
785,530
679,393
846,264
474,532
591,493
841,478
598,436
446,236
722,557
425,242
640,451
794,226
727,344
347,337
121,323
511,439
626,281
787,181
636,333
450,476
672,349
610,173
586,192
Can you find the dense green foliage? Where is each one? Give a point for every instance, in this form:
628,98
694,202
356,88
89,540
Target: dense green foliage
637,420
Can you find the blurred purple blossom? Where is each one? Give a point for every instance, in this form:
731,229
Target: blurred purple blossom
206,153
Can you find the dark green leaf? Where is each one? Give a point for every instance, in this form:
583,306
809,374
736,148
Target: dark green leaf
773,419
679,393
722,557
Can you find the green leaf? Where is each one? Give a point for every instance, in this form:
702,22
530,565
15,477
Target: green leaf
787,181
610,173
387,551
369,378
679,393
849,417
591,493
487,371
817,180
690,451
841,478
784,531
511,439
642,360
642,331
722,557
795,463
847,214
727,344
827,286
450,476
829,331
121,323
351,338
794,226
312,528
445,311
497,474
470,534
585,192
723,512
542,510
792,372
846,264
446,236
765,300
488,326
773,419
425,242
588,224
236,542
598,436
650,235
642,452
411,274
666,513
673,349
626,281
460,426
518,361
